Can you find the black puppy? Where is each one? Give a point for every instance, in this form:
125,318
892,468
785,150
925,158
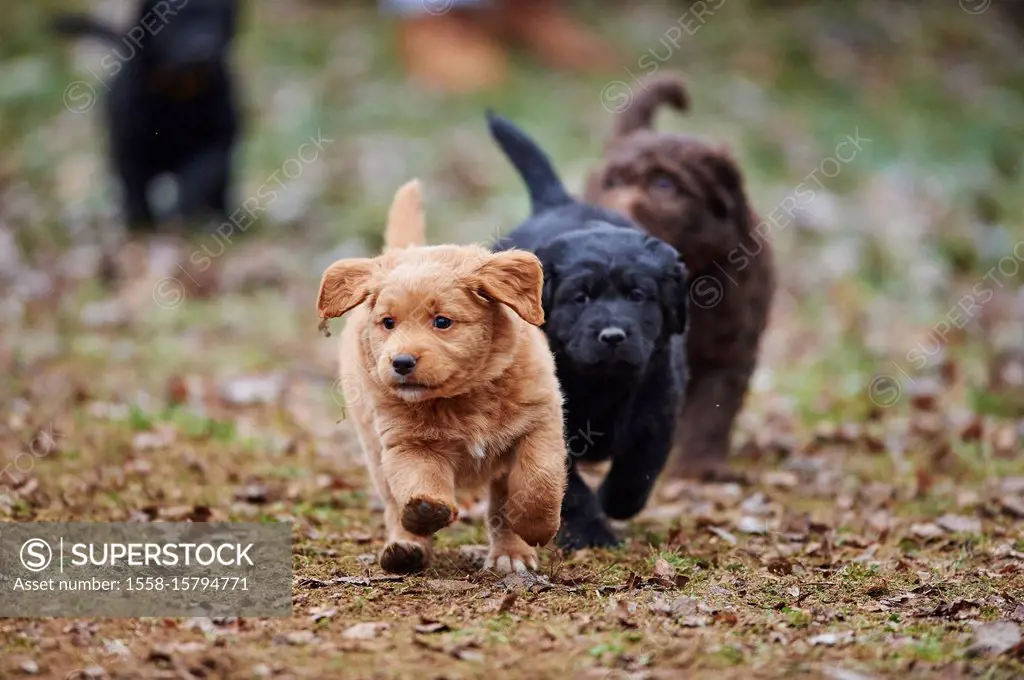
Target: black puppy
171,108
615,303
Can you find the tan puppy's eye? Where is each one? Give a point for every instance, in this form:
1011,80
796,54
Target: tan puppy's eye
388,323
611,181
442,323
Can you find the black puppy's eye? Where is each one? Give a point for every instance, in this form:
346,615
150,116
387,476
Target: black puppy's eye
637,295
581,297
442,323
388,323
663,183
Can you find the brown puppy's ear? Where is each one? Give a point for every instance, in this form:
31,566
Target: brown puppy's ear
728,199
345,284
514,278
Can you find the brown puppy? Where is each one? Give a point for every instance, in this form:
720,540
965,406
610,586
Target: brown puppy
691,195
450,384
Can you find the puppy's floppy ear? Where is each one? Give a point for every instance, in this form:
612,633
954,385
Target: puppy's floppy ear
345,284
674,291
677,300
726,199
514,278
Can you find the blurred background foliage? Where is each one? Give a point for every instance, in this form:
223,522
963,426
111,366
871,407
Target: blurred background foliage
869,266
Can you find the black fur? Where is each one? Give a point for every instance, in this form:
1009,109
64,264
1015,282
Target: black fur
621,400
171,107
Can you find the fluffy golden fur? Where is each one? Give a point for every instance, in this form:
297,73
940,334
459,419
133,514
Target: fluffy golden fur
480,406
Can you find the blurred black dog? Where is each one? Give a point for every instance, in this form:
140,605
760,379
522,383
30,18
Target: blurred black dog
171,108
615,303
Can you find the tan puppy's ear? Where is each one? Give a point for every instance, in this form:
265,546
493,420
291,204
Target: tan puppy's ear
407,225
514,278
345,284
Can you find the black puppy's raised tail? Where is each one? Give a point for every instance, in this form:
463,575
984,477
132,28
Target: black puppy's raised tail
83,26
668,88
532,164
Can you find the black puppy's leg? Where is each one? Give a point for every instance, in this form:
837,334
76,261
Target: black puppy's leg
203,184
629,483
137,214
582,524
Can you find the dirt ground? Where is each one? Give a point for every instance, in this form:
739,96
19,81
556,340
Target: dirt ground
881,529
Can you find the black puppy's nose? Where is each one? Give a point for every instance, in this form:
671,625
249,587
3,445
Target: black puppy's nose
612,335
403,364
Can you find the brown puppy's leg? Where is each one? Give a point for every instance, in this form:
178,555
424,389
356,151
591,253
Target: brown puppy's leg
713,398
508,551
423,485
536,484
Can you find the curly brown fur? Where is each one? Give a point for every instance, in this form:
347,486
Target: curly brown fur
692,196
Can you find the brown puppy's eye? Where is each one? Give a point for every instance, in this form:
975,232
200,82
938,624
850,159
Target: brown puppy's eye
388,323
611,181
663,183
442,323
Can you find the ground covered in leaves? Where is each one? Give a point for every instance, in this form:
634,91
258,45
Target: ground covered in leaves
879,531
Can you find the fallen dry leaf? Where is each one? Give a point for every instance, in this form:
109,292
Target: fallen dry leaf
664,570
368,630
959,524
996,637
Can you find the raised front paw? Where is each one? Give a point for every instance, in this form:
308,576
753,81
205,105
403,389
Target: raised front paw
588,533
426,516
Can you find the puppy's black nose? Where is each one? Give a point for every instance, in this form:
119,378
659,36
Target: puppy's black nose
612,335
403,364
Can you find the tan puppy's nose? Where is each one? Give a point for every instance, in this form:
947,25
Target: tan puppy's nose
403,364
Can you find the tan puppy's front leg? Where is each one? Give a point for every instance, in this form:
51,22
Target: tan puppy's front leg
405,553
536,484
508,552
422,482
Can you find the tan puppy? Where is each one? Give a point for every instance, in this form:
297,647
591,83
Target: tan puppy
450,384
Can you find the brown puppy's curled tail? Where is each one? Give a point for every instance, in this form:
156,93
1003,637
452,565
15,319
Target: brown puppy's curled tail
406,224
667,88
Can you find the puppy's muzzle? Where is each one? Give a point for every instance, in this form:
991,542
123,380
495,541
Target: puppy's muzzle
611,336
403,364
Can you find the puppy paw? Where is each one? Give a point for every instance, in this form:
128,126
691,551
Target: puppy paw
403,557
589,533
425,517
511,554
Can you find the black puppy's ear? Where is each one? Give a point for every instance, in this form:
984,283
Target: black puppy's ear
548,255
675,298
678,300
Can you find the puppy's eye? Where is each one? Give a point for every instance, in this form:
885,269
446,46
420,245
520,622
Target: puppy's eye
442,323
581,297
663,183
637,295
388,323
